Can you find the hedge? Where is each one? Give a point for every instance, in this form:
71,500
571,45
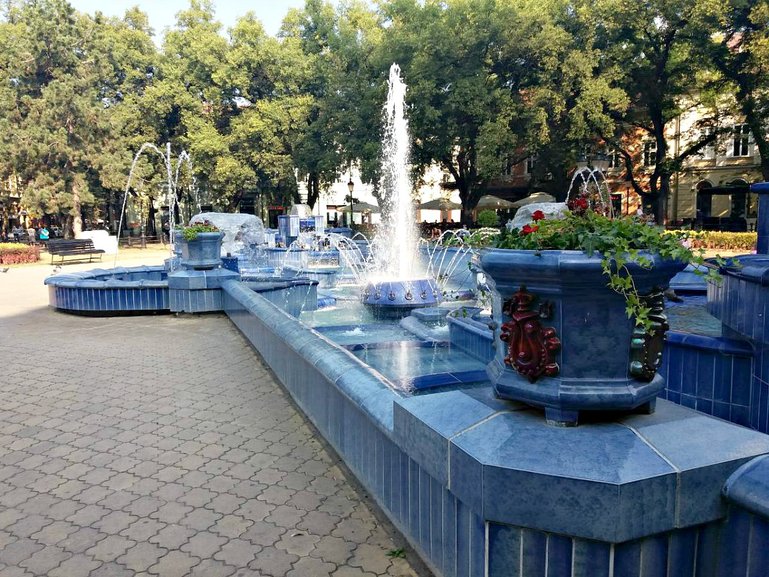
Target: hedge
17,253
715,239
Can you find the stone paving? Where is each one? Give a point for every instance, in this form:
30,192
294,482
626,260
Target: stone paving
163,446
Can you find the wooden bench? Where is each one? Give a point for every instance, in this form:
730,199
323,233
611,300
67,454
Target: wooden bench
79,249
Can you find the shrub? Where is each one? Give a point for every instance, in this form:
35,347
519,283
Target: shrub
17,253
488,218
718,240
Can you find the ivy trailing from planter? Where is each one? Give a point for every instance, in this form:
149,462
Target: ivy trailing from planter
620,242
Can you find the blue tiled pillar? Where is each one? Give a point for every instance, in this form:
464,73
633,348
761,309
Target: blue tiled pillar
762,189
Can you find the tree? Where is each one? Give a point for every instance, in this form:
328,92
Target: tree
443,49
651,42
560,95
739,51
346,83
59,88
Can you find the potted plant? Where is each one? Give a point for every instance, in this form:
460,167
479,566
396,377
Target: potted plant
201,245
581,308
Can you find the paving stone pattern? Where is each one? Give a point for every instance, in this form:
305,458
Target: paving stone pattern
163,446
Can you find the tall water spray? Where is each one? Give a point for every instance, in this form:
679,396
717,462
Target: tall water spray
395,251
396,287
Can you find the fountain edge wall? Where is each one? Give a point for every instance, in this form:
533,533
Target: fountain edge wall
401,449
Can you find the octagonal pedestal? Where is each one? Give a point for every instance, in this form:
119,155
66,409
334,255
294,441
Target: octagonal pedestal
399,298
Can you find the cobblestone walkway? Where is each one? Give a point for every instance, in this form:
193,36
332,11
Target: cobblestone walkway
162,446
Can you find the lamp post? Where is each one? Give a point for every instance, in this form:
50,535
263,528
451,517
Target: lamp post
350,187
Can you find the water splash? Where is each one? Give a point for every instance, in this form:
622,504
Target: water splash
172,179
590,183
395,248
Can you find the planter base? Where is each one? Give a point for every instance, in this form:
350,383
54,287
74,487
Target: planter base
564,399
568,418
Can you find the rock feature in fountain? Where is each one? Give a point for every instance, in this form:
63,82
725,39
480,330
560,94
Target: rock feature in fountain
241,231
524,214
395,285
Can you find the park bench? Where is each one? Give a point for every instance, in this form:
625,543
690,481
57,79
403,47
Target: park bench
79,249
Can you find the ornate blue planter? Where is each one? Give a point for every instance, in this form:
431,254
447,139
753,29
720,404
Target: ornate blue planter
202,253
563,341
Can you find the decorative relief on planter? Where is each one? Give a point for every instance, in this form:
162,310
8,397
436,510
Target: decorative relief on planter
531,347
646,347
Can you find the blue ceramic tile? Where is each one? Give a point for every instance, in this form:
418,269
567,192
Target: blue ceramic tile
464,542
478,546
741,381
705,376
591,559
689,401
722,411
559,549
705,406
504,551
758,556
534,552
436,522
689,379
735,540
425,518
627,559
654,552
466,478
450,540
414,517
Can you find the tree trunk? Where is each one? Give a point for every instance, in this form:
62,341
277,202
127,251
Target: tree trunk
313,189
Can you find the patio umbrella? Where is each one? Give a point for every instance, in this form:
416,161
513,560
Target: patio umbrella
532,198
439,204
361,207
492,202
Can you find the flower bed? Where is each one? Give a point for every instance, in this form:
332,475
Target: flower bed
17,253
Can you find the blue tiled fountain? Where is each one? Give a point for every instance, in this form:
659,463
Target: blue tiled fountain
485,487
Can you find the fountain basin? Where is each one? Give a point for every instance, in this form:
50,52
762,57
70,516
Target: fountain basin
469,479
122,290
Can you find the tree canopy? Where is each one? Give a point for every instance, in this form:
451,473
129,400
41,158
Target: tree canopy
491,83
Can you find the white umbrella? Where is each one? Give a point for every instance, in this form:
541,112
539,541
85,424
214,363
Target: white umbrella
492,202
532,198
360,207
439,204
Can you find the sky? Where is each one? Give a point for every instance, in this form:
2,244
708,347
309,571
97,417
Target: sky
162,12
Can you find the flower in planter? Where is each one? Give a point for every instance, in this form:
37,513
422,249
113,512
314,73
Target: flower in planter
619,242
191,232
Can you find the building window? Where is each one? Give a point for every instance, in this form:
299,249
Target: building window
530,162
616,160
740,140
650,153
508,169
708,152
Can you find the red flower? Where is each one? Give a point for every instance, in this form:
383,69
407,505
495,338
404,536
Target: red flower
581,203
528,229
537,215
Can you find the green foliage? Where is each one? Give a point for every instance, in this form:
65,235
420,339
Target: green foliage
619,242
488,218
191,232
